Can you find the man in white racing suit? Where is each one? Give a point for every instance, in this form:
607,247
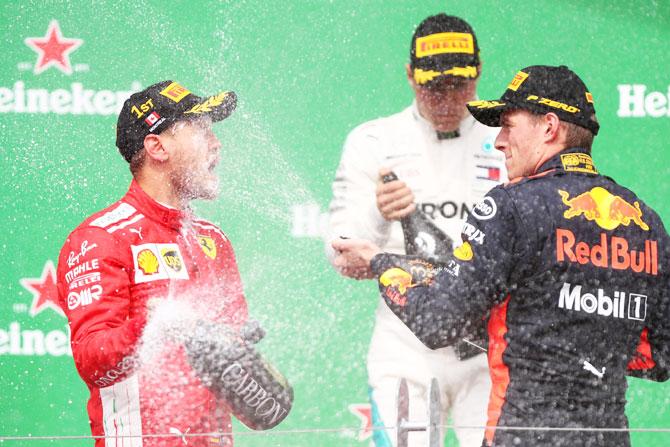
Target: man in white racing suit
445,162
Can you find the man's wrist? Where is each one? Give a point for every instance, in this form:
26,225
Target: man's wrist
379,263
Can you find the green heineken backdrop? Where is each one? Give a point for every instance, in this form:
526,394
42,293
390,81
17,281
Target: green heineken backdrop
306,73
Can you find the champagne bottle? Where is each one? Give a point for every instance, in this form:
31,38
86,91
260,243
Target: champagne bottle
422,237
229,365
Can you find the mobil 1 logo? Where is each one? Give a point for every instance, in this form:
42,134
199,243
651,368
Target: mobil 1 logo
616,304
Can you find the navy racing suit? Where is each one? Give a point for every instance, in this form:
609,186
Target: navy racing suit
571,270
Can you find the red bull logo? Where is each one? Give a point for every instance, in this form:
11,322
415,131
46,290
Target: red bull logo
396,281
607,210
612,252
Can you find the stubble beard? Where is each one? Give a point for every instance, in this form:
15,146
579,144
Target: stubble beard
204,186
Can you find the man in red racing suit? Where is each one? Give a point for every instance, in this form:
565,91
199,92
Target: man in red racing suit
136,276
570,268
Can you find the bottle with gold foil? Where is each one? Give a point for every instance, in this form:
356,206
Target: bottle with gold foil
422,237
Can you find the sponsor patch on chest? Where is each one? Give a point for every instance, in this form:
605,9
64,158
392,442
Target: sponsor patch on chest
158,261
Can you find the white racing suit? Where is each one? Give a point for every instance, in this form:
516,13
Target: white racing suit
447,177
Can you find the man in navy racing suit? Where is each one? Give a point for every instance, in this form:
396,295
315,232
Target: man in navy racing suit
570,268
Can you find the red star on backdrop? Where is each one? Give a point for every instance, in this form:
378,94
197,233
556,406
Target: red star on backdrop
364,413
53,49
45,294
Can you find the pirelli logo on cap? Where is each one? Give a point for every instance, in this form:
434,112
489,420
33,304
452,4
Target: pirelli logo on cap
589,97
443,43
175,92
517,80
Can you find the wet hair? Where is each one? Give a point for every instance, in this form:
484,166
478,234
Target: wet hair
578,136
137,161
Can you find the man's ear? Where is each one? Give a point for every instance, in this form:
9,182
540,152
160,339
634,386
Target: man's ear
552,125
410,76
154,148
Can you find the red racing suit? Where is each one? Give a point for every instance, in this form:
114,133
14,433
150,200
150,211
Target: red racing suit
572,270
109,267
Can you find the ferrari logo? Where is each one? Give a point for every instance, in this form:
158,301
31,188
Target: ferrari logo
208,246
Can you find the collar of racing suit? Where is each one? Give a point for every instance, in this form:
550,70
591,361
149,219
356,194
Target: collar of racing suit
570,160
153,210
466,124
